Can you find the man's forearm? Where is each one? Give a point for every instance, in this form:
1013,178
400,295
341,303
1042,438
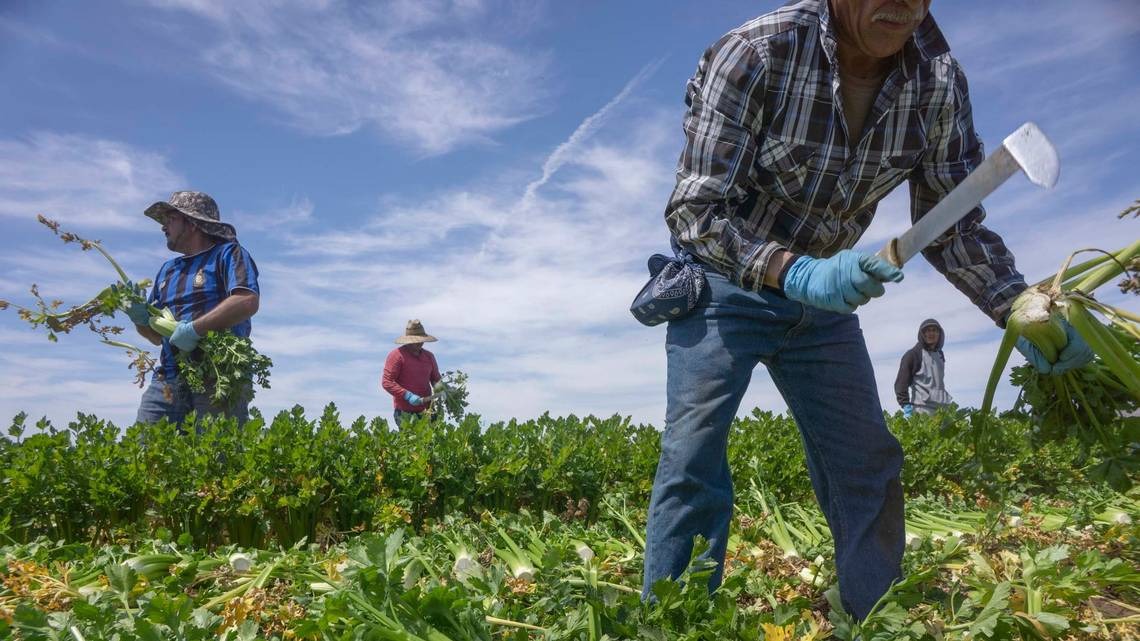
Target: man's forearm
392,387
146,332
776,265
236,308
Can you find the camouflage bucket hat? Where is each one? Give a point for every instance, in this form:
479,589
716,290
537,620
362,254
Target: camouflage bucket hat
415,333
199,208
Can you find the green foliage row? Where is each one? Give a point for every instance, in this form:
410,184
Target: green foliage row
939,457
318,479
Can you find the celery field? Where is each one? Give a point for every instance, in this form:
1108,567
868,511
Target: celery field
318,527
1020,525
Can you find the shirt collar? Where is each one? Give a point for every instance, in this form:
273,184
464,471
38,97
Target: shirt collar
826,33
926,43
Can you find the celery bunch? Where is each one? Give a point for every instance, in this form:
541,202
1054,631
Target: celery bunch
449,397
228,368
1036,315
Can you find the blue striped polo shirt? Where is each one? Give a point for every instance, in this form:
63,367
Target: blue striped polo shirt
191,286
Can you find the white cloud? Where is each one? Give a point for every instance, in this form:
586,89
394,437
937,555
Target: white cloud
299,211
308,340
401,227
530,299
432,74
1024,37
59,379
1068,66
527,294
13,29
76,179
564,152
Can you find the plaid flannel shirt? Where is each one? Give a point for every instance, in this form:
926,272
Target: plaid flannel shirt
767,163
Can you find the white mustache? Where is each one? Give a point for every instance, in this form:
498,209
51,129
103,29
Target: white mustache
900,17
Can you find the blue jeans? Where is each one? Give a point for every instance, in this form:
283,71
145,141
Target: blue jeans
155,405
401,416
819,362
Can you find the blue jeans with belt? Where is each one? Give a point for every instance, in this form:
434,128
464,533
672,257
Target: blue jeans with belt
156,404
819,363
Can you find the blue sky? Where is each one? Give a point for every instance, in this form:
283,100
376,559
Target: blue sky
496,169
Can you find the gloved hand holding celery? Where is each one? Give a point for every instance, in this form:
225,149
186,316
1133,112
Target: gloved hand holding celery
138,312
229,364
449,397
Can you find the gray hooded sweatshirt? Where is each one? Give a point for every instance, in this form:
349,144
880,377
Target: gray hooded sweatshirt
921,378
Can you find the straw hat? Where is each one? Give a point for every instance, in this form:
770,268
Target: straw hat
415,334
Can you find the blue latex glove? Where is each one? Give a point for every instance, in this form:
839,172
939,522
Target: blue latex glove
138,313
840,283
908,410
184,336
413,399
1076,353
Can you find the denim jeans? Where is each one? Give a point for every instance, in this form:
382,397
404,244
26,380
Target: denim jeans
819,363
155,406
401,416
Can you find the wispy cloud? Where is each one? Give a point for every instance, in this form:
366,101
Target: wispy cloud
530,300
527,293
12,29
1068,66
1056,36
80,179
59,379
562,154
401,227
415,71
276,220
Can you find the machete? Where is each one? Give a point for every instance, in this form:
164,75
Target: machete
1026,149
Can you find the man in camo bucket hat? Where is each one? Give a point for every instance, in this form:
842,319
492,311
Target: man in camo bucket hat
210,286
199,208
409,372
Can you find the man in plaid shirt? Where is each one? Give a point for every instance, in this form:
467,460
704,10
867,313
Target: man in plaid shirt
799,122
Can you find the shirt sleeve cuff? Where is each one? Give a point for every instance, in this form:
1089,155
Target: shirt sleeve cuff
755,264
1001,299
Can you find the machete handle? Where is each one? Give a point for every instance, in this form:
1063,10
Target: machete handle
890,253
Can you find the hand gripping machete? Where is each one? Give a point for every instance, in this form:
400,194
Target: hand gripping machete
1026,149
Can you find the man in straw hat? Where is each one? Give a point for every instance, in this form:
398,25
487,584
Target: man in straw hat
211,286
409,372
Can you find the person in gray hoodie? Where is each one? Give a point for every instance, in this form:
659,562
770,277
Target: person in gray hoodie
921,382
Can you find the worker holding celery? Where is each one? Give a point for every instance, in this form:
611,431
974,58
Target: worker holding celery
409,373
798,123
210,286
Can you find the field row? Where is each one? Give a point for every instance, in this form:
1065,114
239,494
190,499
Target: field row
291,478
1036,572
